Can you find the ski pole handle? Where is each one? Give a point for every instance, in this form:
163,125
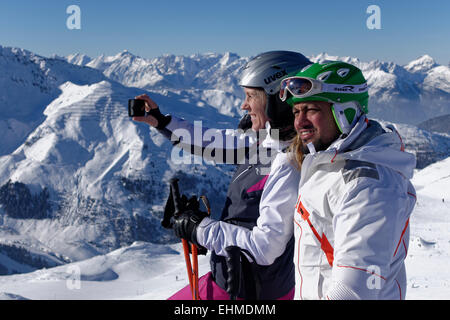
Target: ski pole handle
176,195
233,261
173,206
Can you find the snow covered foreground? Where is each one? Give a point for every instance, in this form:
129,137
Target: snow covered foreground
149,271
427,265
141,271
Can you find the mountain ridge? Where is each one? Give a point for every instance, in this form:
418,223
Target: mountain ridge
406,93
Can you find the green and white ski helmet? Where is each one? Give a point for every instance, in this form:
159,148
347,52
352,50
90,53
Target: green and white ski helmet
339,83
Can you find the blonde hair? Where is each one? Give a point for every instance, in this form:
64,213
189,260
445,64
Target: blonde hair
262,95
296,152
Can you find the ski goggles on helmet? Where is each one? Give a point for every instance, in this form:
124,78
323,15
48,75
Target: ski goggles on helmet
301,87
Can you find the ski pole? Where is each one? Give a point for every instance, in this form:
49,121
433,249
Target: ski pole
195,252
192,273
188,266
195,295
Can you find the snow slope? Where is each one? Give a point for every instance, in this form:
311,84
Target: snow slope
105,175
155,271
139,271
28,84
429,251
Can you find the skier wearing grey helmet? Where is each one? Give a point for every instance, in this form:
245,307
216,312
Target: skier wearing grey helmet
257,216
265,72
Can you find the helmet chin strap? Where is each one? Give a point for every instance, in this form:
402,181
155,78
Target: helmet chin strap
346,115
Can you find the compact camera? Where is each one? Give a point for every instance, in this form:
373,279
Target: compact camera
136,107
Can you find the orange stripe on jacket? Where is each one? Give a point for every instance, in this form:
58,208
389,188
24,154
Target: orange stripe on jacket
324,243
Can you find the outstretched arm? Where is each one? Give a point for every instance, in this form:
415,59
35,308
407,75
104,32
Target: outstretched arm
220,145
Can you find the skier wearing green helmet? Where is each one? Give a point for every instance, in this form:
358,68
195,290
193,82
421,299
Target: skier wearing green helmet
339,83
355,198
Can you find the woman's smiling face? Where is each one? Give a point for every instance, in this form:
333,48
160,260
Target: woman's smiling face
255,105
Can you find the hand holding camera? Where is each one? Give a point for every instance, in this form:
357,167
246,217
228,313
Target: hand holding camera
144,109
136,108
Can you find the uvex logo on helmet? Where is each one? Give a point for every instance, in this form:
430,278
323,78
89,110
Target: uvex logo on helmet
275,76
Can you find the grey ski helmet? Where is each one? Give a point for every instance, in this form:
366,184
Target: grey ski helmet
265,71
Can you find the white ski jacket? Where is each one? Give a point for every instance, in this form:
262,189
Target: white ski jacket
273,230
351,218
268,239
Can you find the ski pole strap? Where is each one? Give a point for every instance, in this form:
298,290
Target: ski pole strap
233,261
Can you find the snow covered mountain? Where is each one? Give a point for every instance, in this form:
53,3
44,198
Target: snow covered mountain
408,94
403,94
211,78
437,124
28,84
86,179
79,179
429,147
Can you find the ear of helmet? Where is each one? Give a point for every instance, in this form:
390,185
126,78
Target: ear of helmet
346,115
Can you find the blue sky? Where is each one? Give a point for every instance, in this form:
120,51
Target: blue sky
150,28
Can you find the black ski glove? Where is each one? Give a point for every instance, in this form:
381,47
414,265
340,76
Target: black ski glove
163,120
185,225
